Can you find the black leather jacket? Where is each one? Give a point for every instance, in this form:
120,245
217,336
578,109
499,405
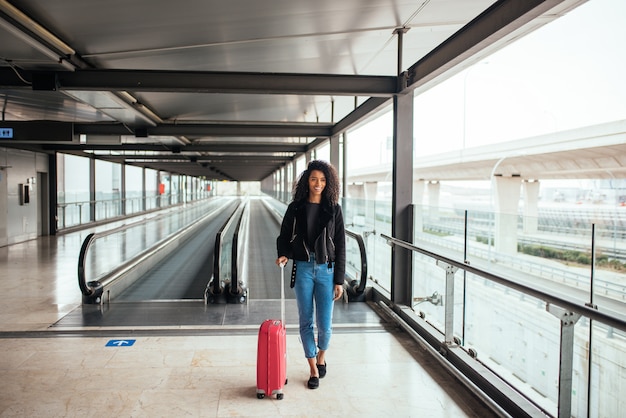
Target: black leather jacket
330,244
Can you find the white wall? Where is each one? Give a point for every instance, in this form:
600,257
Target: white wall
19,222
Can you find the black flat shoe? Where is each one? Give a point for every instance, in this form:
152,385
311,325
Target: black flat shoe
321,368
314,382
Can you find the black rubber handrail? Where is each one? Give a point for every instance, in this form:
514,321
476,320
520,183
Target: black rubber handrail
360,287
214,285
235,288
92,291
547,297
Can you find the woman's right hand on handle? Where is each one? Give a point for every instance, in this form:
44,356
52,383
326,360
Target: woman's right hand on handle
281,261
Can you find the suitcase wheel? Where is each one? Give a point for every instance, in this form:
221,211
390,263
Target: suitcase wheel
286,380
279,396
260,395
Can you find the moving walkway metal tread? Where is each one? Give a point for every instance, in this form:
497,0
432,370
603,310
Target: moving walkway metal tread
195,313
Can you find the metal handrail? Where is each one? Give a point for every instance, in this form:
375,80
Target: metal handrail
547,297
236,289
362,283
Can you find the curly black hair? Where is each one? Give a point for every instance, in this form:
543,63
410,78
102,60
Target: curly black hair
331,191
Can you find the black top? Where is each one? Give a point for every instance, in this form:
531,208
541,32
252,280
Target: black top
312,213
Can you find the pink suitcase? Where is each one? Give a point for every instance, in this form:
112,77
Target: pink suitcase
271,366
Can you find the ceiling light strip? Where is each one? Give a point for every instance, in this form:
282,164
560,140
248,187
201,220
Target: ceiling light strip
35,28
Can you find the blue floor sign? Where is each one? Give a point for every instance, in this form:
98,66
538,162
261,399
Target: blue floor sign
120,343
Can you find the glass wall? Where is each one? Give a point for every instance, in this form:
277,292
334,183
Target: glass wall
73,191
541,84
152,189
133,201
108,202
116,193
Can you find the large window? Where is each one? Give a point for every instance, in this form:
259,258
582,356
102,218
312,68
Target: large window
134,189
73,190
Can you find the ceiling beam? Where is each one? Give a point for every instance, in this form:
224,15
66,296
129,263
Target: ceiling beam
206,82
244,129
257,147
231,159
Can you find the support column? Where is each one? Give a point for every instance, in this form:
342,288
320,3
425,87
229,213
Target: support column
418,207
371,190
531,202
334,154
53,192
402,199
122,189
434,191
507,194
344,179
357,191
92,191
285,181
566,357
144,194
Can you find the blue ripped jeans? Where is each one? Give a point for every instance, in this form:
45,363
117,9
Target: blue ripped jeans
314,289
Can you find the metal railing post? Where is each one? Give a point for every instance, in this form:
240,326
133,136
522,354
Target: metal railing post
449,301
566,357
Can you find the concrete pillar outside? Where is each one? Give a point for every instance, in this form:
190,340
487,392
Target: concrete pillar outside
434,190
418,201
371,190
285,181
531,201
334,154
356,190
506,197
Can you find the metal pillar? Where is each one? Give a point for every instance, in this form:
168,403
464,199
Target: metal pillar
449,301
402,199
92,191
53,193
566,358
334,153
344,178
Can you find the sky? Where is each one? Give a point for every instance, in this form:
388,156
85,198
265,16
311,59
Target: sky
567,74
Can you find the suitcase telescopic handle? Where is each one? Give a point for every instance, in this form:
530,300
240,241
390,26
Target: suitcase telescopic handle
282,294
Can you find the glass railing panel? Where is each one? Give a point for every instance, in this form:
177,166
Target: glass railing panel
429,288
226,253
479,243
516,337
439,227
607,371
72,214
370,218
608,346
108,252
353,259
609,279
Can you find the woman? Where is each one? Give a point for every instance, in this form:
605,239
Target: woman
313,235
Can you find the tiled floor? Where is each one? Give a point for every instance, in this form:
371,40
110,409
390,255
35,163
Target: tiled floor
53,367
